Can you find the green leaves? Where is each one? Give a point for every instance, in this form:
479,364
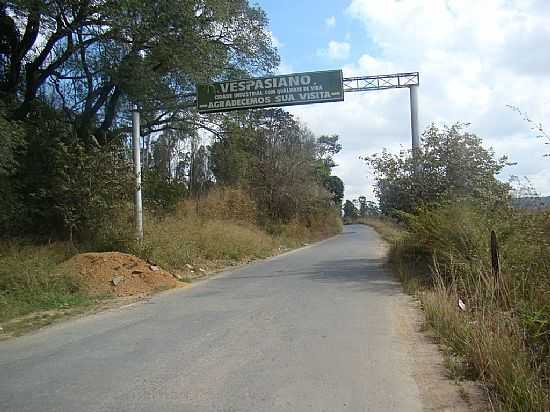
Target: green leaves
92,59
281,162
452,164
12,136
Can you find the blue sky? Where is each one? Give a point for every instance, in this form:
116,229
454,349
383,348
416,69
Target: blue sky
474,57
303,31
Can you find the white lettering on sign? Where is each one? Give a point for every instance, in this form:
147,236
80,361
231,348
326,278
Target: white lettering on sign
261,84
291,89
315,95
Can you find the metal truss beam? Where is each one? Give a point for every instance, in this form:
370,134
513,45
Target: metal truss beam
381,82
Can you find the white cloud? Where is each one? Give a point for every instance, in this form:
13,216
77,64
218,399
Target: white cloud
330,21
474,58
336,50
275,41
285,68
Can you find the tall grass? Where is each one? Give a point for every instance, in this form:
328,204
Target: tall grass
30,279
187,238
504,333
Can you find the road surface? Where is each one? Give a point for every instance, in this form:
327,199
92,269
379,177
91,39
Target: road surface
311,330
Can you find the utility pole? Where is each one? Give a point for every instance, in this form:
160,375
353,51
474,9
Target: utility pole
413,91
138,208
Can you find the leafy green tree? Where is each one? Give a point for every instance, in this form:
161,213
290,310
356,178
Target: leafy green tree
91,58
452,164
367,207
12,136
63,187
336,187
280,161
362,205
350,211
328,147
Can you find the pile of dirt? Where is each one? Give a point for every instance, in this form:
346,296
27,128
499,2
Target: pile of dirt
119,274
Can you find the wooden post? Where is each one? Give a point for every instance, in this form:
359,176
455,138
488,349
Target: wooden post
495,263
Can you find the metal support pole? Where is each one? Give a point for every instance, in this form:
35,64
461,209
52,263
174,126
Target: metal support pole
138,208
414,117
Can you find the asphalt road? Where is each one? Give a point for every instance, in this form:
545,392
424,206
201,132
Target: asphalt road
311,330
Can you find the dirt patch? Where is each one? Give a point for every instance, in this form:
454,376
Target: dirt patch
119,274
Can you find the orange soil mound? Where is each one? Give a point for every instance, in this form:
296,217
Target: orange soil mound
120,274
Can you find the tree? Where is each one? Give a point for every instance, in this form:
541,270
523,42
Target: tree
350,211
12,136
92,57
362,206
536,127
328,147
366,207
453,164
278,160
336,187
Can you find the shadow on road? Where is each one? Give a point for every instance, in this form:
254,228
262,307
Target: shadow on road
360,274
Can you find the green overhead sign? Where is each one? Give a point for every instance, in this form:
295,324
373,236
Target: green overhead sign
272,91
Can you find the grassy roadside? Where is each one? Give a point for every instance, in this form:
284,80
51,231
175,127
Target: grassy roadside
501,337
196,239
390,230
30,281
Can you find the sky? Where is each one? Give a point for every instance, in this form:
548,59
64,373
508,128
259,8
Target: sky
475,59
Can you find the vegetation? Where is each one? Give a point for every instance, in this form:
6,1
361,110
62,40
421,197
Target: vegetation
220,188
452,164
495,321
69,72
359,210
30,280
221,230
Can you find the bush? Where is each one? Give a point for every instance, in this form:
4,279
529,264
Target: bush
59,186
221,229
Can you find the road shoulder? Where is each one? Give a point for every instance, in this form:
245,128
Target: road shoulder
438,391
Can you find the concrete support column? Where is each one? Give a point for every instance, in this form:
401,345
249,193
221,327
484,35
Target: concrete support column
136,144
413,90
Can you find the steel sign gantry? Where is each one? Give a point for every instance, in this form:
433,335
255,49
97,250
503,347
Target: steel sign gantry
313,93
391,81
410,80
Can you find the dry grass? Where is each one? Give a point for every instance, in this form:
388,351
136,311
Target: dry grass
503,336
183,239
492,350
389,229
221,230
